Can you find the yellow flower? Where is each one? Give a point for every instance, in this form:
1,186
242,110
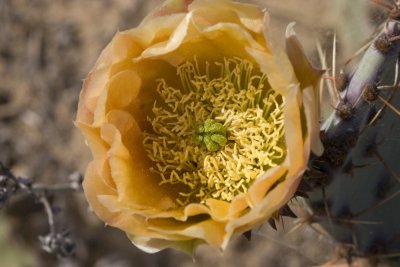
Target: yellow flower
199,127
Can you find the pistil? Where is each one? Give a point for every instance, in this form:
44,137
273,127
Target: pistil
212,134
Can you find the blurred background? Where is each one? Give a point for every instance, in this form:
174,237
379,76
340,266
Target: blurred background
47,47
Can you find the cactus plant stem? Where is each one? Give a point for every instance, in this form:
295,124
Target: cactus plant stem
377,205
368,72
386,165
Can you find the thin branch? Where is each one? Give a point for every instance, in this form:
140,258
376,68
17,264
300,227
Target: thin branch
49,212
10,185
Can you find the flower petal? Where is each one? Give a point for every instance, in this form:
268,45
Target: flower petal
305,72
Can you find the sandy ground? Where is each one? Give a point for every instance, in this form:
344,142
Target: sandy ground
46,48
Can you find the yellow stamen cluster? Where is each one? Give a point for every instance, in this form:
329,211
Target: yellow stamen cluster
237,97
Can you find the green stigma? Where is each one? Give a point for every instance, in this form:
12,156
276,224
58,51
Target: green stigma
212,134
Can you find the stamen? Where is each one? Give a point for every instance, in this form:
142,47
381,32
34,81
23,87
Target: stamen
215,135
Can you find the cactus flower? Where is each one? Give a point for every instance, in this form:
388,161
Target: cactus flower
200,128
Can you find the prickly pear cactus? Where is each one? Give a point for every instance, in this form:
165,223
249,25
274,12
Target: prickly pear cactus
354,187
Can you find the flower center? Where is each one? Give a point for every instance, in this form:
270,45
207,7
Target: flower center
212,134
216,134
